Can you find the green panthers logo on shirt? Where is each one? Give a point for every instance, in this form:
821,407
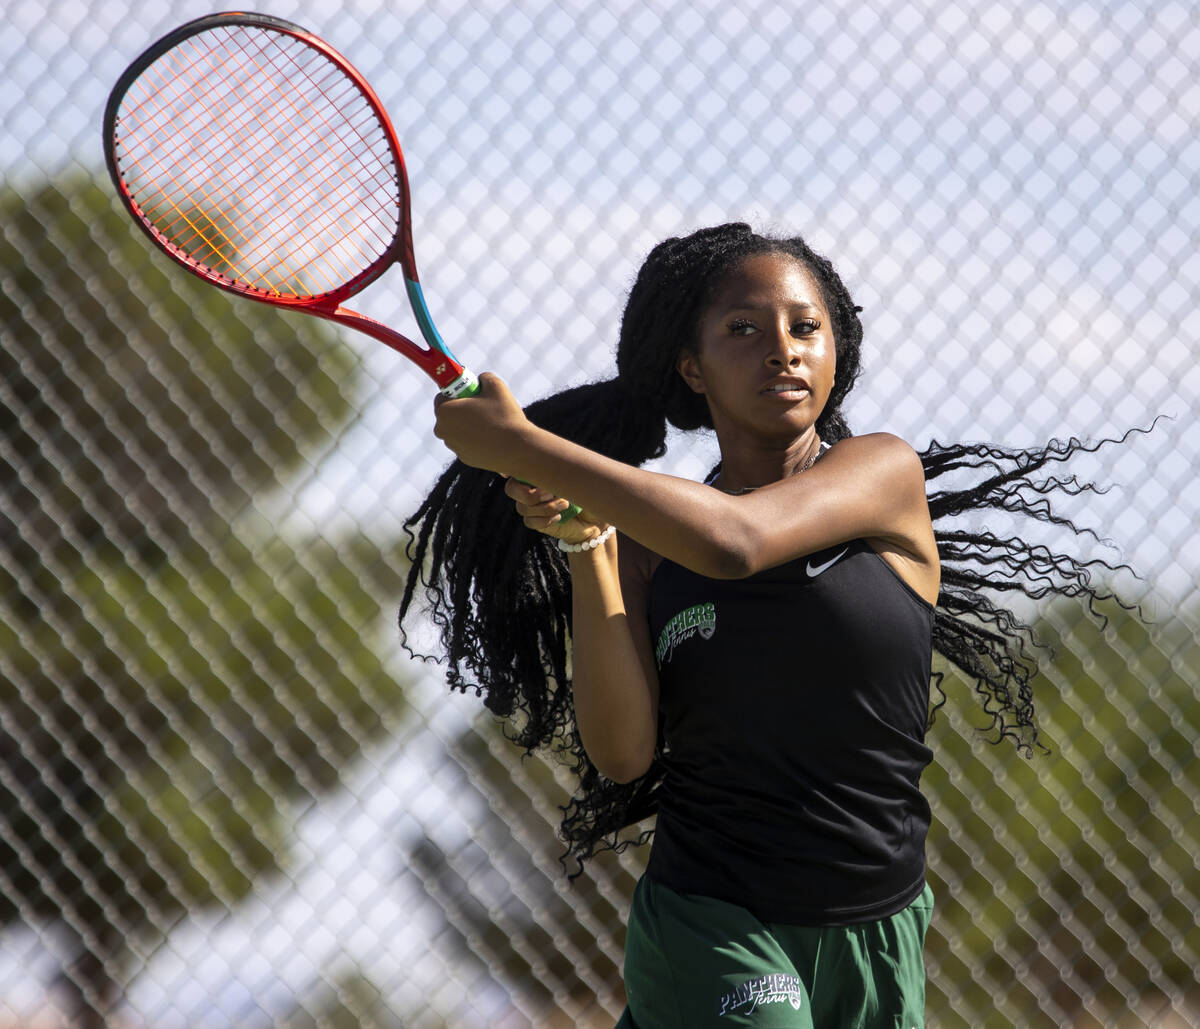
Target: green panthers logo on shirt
702,619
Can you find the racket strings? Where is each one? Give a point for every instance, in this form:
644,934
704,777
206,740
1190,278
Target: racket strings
258,157
346,94
266,175
306,199
206,227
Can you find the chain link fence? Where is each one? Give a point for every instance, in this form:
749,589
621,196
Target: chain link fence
227,798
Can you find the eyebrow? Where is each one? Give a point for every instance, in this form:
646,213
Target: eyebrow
754,304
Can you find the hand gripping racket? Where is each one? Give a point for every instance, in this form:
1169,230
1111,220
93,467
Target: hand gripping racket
253,154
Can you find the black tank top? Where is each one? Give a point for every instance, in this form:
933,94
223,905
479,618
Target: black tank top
794,704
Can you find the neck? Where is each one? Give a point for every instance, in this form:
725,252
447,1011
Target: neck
744,470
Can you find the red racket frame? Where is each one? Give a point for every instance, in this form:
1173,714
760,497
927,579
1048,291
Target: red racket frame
436,360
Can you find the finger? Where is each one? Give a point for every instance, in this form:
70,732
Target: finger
487,387
524,493
550,512
438,401
542,524
515,489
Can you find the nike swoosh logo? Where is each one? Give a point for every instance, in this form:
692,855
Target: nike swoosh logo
815,570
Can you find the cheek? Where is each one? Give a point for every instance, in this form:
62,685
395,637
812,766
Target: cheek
831,364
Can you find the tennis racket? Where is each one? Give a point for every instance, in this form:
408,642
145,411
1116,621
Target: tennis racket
254,155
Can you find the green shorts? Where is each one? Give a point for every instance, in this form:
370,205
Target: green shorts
692,962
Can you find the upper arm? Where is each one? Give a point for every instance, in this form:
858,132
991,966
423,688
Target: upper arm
636,567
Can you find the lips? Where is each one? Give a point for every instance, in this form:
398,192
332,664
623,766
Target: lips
786,387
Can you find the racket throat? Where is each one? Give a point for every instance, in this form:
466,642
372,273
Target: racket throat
464,385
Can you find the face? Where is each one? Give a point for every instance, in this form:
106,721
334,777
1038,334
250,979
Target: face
764,358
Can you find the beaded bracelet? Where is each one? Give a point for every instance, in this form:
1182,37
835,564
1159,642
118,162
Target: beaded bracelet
592,544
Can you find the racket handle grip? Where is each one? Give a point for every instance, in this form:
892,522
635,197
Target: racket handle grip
467,385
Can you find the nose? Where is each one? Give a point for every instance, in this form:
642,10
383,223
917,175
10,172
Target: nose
784,351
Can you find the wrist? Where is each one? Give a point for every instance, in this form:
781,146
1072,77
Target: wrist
524,450
588,545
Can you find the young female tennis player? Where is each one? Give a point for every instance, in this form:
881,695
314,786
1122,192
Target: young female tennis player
749,657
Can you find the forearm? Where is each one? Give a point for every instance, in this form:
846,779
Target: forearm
673,517
691,523
869,487
615,693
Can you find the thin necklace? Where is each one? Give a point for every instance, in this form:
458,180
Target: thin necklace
811,460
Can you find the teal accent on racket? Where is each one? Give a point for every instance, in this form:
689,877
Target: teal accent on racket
467,384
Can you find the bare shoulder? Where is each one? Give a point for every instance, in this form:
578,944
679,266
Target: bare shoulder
904,537
876,446
879,457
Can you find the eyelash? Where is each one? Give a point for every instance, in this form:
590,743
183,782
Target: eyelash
812,324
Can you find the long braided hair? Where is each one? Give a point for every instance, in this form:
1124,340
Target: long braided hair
499,595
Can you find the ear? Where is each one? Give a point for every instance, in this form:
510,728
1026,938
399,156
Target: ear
688,366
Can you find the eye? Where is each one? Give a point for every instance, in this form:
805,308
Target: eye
741,327
805,327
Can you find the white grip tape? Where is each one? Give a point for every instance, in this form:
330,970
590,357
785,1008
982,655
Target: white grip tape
466,384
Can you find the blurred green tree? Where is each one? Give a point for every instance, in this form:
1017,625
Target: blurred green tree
349,1000
172,689
1068,879
511,915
